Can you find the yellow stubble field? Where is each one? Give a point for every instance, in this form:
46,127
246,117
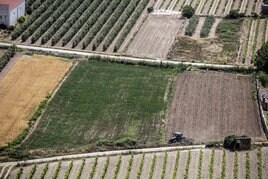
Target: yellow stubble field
22,89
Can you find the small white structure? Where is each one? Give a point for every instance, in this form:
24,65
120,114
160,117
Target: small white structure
11,10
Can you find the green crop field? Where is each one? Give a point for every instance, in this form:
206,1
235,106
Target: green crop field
105,101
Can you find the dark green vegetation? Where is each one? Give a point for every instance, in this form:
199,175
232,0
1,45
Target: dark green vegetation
263,77
188,11
105,101
207,26
190,29
8,54
261,59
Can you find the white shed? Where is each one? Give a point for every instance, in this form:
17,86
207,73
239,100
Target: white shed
11,10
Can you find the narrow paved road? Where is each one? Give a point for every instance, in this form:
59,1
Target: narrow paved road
133,60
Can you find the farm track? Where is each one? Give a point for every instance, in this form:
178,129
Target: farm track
157,170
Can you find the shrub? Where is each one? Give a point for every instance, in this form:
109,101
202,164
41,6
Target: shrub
8,54
229,142
261,58
259,162
123,142
150,9
234,14
211,164
188,11
263,77
164,166
21,19
235,170
247,166
223,165
190,29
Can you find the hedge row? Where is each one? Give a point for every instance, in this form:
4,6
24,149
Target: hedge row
98,25
81,13
111,22
62,19
130,24
120,23
9,53
207,26
80,28
51,19
18,31
190,29
32,28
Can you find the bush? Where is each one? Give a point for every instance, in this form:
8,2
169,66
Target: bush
21,19
261,59
150,9
263,77
124,142
234,14
188,11
229,142
265,1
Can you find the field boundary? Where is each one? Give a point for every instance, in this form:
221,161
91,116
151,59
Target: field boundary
132,60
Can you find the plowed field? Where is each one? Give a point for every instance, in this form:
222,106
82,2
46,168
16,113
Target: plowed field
28,82
209,106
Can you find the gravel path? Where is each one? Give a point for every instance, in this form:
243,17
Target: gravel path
170,164
217,164
199,27
241,165
193,168
205,163
135,166
182,164
229,164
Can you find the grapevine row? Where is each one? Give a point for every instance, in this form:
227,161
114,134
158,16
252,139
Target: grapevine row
120,23
130,25
98,25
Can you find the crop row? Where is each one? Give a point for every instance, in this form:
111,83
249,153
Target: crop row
85,26
98,25
5,58
111,22
190,29
130,24
32,28
120,23
19,30
61,20
210,20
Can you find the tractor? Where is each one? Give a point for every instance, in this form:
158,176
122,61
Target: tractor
179,137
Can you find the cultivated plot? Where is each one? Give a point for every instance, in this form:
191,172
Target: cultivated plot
105,101
28,82
208,106
155,37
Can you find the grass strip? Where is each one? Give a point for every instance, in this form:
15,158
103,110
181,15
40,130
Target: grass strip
247,166
33,169
200,164
93,169
255,41
186,171
247,41
176,165
211,164
235,170
56,173
190,29
259,162
223,165
152,167
105,167
67,173
129,166
78,176
44,171
164,166
117,167
140,167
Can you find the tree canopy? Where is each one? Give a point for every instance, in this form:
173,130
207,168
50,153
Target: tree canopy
261,59
188,11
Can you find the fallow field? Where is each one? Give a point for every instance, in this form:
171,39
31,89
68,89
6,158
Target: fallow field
195,163
22,89
105,101
207,106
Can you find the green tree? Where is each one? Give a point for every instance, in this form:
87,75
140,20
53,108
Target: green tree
188,11
261,59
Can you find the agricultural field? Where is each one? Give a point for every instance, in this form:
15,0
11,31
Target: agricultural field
255,33
156,36
102,100
218,8
207,106
195,163
222,46
82,24
23,87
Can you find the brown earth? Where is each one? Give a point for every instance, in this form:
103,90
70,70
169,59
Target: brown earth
155,36
22,89
207,106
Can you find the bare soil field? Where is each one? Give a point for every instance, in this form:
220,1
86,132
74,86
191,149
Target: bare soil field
28,82
207,106
155,37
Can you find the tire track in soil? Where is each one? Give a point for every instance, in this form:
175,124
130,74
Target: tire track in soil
199,27
200,7
250,42
182,163
243,6
193,168
171,159
214,7
228,7
221,8
217,164
213,29
241,165
250,7
207,6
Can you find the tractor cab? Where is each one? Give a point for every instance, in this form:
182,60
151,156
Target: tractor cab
176,137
